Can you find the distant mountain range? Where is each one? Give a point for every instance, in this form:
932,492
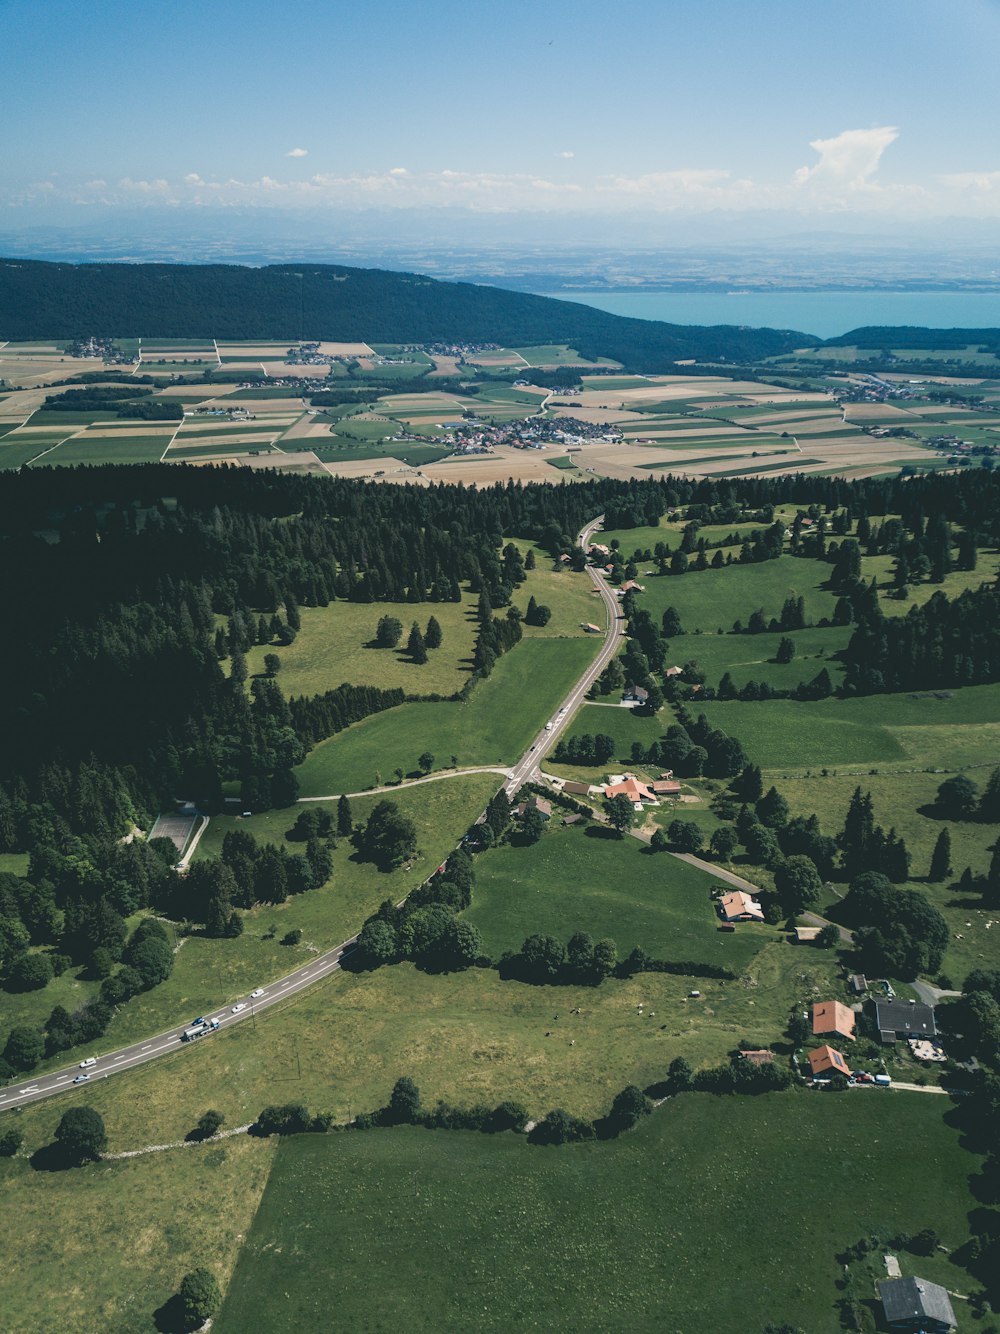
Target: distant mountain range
42,300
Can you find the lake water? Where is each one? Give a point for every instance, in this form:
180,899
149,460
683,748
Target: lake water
825,314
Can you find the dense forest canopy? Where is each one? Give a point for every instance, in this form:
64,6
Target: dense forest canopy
39,299
915,337
139,590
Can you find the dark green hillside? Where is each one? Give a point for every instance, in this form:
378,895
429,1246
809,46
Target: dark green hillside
912,336
45,300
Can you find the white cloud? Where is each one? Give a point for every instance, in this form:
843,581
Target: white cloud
297,152
567,153
972,180
844,177
849,159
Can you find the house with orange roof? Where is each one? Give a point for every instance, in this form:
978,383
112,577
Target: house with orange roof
825,1062
831,1018
665,787
636,791
740,907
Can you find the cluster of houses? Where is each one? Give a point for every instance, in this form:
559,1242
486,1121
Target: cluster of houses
892,1020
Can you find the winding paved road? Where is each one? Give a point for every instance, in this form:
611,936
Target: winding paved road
321,966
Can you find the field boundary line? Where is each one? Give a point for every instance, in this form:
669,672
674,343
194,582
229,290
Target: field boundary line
72,436
172,439
505,771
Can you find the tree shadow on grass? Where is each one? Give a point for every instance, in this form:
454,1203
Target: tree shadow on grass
602,831
169,1318
53,1158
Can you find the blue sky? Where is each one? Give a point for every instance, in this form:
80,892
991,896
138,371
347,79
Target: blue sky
880,107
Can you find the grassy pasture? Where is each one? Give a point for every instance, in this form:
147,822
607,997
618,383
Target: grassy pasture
451,1231
213,973
333,646
624,725
751,657
902,731
901,800
99,1249
582,880
483,730
709,599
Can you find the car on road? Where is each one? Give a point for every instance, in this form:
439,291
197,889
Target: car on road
91,1060
200,1020
238,1009
257,991
81,1079
548,727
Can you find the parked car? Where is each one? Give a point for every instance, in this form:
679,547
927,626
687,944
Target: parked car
91,1060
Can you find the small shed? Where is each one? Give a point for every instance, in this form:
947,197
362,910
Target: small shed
806,935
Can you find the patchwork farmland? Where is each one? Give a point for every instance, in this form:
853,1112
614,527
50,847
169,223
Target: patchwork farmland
481,421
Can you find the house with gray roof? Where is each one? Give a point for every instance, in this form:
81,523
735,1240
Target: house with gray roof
914,1304
903,1019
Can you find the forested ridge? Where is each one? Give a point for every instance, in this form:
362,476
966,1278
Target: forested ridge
40,299
140,589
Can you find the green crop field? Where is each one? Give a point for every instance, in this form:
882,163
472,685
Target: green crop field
342,449
95,449
18,450
576,879
485,729
464,1231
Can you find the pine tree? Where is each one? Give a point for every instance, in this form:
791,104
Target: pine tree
433,636
415,645
345,820
989,802
941,858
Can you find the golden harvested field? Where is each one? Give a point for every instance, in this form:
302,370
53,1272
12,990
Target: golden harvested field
400,471
345,350
178,390
228,439
282,370
443,366
520,465
867,413
254,349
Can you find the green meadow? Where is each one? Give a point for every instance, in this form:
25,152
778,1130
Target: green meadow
905,731
484,729
586,879
454,1230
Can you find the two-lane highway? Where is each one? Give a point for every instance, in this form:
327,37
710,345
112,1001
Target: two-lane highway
322,965
526,769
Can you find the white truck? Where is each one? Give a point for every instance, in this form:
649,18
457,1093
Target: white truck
199,1028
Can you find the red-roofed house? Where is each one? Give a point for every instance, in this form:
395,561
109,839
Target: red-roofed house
632,788
740,907
825,1062
666,787
832,1018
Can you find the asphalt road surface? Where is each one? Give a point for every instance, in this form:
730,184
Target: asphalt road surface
29,1091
